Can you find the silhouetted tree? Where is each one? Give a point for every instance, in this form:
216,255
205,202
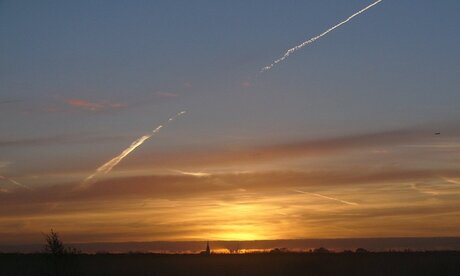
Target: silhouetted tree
54,245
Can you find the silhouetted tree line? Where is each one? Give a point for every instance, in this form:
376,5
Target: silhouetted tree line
55,246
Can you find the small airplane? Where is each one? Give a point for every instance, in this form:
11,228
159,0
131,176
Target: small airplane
437,133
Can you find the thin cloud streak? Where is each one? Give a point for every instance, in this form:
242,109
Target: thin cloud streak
313,39
327,197
185,186
294,149
15,182
451,180
197,174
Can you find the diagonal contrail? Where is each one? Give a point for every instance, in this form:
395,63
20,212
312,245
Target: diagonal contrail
15,182
327,197
107,167
311,40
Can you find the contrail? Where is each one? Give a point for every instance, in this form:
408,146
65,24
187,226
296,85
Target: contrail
107,167
311,40
451,180
15,182
197,174
327,197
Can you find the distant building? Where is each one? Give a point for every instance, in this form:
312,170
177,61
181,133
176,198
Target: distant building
207,251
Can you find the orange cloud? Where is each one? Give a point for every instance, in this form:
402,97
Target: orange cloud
167,201
92,106
260,154
190,208
83,104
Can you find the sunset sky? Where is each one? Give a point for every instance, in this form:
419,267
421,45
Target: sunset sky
337,141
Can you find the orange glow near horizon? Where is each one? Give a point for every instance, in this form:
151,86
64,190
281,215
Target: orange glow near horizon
268,201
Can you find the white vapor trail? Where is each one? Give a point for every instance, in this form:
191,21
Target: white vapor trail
15,182
197,174
107,167
311,40
327,197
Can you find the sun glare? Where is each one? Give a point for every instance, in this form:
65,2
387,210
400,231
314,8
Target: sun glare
238,236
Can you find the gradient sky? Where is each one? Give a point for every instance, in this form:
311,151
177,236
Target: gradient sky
337,141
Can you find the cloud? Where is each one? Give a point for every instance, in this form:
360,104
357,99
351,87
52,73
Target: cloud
290,150
176,187
197,174
262,204
143,205
83,104
92,106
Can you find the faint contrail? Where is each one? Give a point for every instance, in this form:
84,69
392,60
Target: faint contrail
107,167
15,182
311,40
451,180
197,174
327,197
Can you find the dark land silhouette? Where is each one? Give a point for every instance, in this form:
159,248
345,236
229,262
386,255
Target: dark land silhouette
285,263
56,258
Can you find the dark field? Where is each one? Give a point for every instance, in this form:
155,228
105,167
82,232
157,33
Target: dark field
390,263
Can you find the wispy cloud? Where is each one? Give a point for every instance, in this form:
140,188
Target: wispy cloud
452,180
214,206
92,106
197,174
83,104
179,186
290,150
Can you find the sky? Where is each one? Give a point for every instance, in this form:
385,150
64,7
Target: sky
353,136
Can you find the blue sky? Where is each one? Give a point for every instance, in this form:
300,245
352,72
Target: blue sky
396,62
80,80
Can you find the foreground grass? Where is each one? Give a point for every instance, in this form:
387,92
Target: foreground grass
388,263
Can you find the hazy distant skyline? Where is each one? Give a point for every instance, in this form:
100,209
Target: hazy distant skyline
349,119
